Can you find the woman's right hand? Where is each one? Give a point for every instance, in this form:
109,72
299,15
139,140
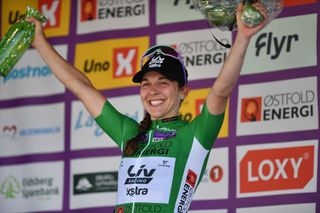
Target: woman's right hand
39,36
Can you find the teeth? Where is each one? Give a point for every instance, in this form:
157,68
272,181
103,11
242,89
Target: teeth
156,102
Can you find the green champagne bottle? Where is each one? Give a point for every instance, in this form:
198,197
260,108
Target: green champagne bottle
17,40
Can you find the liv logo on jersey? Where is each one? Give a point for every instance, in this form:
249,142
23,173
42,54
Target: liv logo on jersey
251,109
142,176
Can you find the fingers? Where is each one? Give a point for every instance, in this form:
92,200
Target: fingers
32,20
259,6
239,10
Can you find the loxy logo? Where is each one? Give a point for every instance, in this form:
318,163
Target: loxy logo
52,10
276,169
124,61
88,10
274,46
251,109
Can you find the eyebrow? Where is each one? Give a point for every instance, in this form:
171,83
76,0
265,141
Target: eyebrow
160,78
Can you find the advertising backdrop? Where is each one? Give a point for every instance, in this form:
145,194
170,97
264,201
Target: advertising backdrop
54,157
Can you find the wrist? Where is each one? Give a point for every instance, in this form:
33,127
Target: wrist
242,39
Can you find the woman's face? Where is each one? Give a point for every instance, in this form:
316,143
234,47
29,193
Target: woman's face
160,96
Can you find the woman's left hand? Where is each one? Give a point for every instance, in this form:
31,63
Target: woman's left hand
245,30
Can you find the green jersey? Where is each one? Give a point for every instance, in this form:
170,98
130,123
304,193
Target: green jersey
165,171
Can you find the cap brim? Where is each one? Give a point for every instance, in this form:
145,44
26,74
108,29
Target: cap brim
138,76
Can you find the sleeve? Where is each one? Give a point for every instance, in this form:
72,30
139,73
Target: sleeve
120,128
207,127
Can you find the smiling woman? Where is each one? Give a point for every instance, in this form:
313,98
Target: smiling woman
163,156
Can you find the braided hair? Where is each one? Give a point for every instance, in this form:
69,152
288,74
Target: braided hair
133,144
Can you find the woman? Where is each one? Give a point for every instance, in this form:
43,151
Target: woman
163,157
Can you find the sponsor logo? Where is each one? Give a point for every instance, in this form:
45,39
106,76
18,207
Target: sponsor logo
199,104
274,46
281,106
203,52
12,131
162,148
120,210
188,3
276,169
95,182
160,136
99,10
139,208
141,176
216,173
188,190
10,187
28,72
49,8
251,109
52,10
88,10
84,120
28,187
93,66
15,16
124,61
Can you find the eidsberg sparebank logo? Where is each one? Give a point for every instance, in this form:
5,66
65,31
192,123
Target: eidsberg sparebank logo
10,187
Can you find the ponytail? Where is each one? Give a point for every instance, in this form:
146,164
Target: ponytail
133,144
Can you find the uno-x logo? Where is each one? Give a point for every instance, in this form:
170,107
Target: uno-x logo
124,61
52,10
251,109
10,129
10,187
276,169
199,105
88,10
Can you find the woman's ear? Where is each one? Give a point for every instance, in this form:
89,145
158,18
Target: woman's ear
184,92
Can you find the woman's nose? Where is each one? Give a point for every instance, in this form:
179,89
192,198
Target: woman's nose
154,89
